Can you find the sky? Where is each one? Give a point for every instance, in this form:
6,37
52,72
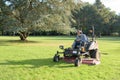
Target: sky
112,4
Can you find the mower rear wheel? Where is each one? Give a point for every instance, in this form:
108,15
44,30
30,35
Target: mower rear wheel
98,56
56,58
77,62
95,54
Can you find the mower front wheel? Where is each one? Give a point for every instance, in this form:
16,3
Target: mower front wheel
77,62
56,58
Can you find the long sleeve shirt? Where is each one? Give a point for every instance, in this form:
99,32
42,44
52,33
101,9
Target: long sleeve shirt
82,38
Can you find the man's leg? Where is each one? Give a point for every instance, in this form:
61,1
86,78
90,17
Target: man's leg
73,45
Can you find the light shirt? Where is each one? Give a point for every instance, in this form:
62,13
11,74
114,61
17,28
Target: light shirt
82,38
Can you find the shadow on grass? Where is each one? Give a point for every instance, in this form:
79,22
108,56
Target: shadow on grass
8,42
110,39
104,53
35,63
62,39
20,41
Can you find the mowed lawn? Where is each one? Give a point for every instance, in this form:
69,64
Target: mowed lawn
32,60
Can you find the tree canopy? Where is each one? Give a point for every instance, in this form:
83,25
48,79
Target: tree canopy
94,15
25,17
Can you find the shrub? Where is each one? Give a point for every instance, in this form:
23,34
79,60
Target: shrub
115,34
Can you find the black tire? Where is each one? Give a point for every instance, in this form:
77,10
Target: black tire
56,58
92,53
95,54
98,56
77,62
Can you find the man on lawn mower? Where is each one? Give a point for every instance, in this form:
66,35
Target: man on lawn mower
81,40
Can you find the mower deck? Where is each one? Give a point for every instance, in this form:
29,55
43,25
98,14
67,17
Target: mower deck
84,61
90,61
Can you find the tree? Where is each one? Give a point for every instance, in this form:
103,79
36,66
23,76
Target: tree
115,28
86,17
93,15
38,15
22,14
107,17
2,16
59,17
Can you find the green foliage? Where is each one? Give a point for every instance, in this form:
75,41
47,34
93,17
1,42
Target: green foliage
60,16
94,15
116,25
28,15
115,34
58,19
87,16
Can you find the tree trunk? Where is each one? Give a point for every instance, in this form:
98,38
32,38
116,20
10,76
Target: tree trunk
23,36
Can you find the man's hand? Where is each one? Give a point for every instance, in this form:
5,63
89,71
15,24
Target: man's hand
77,40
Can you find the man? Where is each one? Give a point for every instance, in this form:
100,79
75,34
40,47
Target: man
81,40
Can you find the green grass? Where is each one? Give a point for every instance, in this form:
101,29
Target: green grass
32,60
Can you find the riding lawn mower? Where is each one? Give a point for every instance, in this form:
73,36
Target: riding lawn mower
87,53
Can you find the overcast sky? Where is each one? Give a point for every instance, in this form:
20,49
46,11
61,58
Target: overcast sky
114,5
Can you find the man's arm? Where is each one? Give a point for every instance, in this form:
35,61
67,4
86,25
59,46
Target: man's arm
84,38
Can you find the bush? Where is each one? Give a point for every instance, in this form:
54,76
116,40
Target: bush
0,33
115,34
